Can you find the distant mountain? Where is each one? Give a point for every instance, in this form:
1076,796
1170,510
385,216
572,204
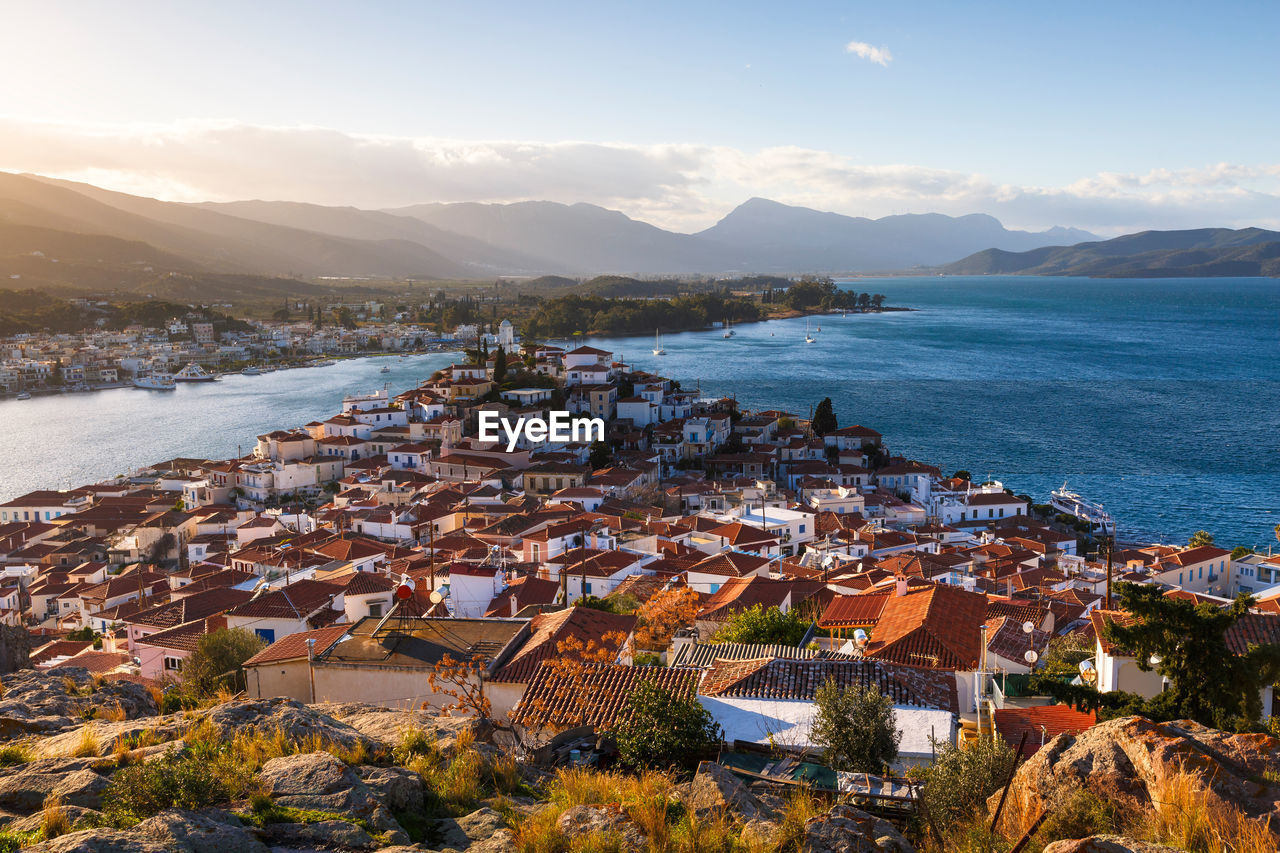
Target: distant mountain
1149,254
767,236
462,241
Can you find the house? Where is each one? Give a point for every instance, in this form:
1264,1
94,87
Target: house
300,606
285,664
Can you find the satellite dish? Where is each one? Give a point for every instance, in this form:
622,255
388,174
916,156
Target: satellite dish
1031,656
1028,627
436,597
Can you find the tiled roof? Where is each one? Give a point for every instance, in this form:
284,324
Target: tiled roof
294,601
780,678
294,646
555,700
935,626
854,610
191,607
548,630
57,648
97,661
703,655
526,591
1042,723
1006,638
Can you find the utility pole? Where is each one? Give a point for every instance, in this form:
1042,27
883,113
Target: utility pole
1109,550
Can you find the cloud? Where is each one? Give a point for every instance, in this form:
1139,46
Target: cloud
684,187
863,50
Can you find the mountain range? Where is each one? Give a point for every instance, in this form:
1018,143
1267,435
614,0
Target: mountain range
1149,254
77,223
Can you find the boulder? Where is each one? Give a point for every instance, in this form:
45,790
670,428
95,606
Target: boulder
845,829
1126,760
122,695
200,832
716,789
608,820
325,835
100,841
23,789
106,733
296,720
398,788
319,781
1107,844
387,725
464,832
74,815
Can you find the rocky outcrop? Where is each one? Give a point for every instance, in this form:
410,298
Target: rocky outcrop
15,648
101,841
319,781
1127,759
298,721
23,789
610,821
1107,844
200,832
324,835
480,827
399,789
845,829
387,726
37,702
715,789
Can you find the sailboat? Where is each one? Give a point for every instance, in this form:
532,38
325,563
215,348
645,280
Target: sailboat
808,338
728,330
657,343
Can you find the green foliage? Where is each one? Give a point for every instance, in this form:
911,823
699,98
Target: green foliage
218,661
824,418
855,727
263,811
12,840
646,659
621,604
567,315
1063,654
757,625
83,635
174,780
500,364
14,753
1240,551
957,785
1201,538
659,729
600,456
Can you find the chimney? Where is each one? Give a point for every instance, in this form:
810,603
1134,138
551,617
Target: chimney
900,583
109,641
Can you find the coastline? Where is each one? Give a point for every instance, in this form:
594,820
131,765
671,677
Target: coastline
790,314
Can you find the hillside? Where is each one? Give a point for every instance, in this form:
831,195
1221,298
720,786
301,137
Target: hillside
1149,254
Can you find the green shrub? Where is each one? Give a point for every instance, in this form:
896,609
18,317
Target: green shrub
962,778
659,729
174,780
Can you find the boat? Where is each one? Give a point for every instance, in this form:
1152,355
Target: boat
324,363
657,343
24,395
194,373
251,371
728,330
808,338
155,382
1099,520
385,369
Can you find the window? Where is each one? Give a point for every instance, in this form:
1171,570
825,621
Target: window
375,608
268,635
172,664
802,528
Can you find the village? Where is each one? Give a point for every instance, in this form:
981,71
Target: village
385,555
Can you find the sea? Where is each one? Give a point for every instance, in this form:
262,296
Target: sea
1159,398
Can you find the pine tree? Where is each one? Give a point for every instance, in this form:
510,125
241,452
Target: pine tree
824,418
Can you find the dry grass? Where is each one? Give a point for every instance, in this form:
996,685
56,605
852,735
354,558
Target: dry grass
15,753
801,806
1191,816
115,713
54,821
87,746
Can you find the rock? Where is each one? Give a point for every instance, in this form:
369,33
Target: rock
398,788
319,781
1107,844
325,835
462,833
608,820
1126,760
502,841
716,789
296,720
199,832
23,789
388,725
100,841
15,647
107,733
33,822
122,695
845,829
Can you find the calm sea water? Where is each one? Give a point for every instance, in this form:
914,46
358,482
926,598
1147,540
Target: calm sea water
1159,398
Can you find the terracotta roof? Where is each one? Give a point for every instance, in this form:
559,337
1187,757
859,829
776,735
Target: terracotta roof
781,678
526,591
554,700
854,611
96,661
704,655
294,601
294,646
548,630
935,626
1042,723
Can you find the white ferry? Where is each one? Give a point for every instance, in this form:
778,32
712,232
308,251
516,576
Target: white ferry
155,382
1065,500
251,371
194,373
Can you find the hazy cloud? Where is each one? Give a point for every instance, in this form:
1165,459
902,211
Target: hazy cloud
863,50
680,186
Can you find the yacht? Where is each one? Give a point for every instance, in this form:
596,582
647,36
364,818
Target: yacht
808,338
155,382
251,371
1065,500
657,343
24,395
385,369
194,373
728,330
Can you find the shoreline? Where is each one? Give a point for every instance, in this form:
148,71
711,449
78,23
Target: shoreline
791,314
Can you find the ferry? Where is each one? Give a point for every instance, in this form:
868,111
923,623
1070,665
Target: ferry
155,382
1065,500
24,395
194,373
251,371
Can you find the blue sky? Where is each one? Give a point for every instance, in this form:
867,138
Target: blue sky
1107,116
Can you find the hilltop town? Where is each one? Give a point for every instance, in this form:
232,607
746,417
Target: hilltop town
738,559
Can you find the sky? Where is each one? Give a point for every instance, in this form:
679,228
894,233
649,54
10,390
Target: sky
1113,117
